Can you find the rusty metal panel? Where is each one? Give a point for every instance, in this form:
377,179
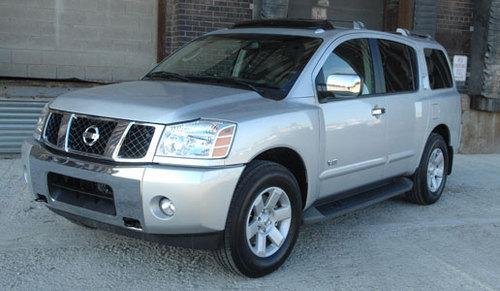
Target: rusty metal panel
17,121
491,86
485,67
21,101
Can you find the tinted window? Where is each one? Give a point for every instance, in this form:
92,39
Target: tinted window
438,69
351,58
399,63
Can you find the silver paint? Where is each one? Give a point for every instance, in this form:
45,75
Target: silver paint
201,195
368,147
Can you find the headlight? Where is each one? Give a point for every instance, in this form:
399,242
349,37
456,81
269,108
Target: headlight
41,122
202,139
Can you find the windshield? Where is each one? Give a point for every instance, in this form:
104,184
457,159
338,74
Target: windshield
267,64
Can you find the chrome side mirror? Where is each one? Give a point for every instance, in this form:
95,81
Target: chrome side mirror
344,85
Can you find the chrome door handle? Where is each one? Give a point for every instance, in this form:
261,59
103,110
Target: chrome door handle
377,111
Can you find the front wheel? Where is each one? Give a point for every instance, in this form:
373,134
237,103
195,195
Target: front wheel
263,220
430,178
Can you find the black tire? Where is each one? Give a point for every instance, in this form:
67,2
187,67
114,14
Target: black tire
236,255
421,194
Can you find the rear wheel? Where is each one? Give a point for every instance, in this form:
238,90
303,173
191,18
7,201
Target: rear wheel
263,220
430,178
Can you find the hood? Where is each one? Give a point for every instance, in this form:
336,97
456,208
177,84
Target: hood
161,101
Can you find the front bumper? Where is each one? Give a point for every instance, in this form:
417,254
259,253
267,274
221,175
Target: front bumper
201,195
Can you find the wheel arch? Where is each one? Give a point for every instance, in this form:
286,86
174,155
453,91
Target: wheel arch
291,160
444,131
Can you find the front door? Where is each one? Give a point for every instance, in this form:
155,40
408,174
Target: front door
354,140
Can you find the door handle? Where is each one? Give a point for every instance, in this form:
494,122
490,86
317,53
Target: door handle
377,111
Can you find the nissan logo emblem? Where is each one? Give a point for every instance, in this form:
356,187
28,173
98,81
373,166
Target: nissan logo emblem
91,135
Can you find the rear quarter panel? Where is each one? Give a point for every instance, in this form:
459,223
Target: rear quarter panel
444,106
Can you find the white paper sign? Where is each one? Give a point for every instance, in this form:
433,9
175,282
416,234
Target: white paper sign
460,68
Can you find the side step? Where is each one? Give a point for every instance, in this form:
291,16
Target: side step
340,207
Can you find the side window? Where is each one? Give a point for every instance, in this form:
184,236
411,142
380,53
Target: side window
348,72
438,69
399,63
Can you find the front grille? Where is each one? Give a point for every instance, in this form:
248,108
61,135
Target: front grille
136,143
52,128
99,137
82,193
78,127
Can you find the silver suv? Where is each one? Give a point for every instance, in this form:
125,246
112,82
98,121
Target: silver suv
245,133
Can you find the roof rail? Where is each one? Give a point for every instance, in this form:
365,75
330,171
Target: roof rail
356,24
406,32
286,23
298,23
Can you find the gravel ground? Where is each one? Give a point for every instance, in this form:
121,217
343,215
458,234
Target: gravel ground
454,244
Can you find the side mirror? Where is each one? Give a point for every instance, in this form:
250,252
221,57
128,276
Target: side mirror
343,85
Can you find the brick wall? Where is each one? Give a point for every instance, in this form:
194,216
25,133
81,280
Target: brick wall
454,20
105,40
453,29
188,19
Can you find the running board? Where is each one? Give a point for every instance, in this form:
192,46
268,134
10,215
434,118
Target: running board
340,207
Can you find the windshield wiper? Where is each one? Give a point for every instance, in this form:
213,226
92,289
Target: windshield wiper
242,83
232,81
167,75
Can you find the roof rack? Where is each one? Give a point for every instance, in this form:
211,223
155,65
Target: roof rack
356,24
297,23
406,32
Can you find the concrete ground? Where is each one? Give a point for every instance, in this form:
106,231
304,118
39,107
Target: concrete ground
454,244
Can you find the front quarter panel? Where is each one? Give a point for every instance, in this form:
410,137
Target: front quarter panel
293,126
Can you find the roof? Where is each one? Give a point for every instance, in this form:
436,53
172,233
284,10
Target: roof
325,29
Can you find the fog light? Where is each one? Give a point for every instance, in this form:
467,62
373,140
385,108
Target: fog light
167,206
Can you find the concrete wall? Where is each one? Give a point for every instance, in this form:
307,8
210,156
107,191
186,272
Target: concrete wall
105,40
480,130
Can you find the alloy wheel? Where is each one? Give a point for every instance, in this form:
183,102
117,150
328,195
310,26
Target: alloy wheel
268,222
435,170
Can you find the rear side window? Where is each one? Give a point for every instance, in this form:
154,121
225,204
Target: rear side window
399,65
438,69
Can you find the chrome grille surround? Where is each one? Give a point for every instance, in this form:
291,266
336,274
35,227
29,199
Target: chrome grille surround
115,139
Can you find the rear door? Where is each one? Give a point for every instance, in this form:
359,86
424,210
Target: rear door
406,106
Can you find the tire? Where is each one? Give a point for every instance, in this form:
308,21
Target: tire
238,254
424,192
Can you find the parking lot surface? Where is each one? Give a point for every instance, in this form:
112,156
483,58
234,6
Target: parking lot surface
454,244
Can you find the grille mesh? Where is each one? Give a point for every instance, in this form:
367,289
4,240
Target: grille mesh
137,141
52,128
135,144
78,127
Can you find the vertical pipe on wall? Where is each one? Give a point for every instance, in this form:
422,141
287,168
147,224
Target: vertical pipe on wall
405,14
160,32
